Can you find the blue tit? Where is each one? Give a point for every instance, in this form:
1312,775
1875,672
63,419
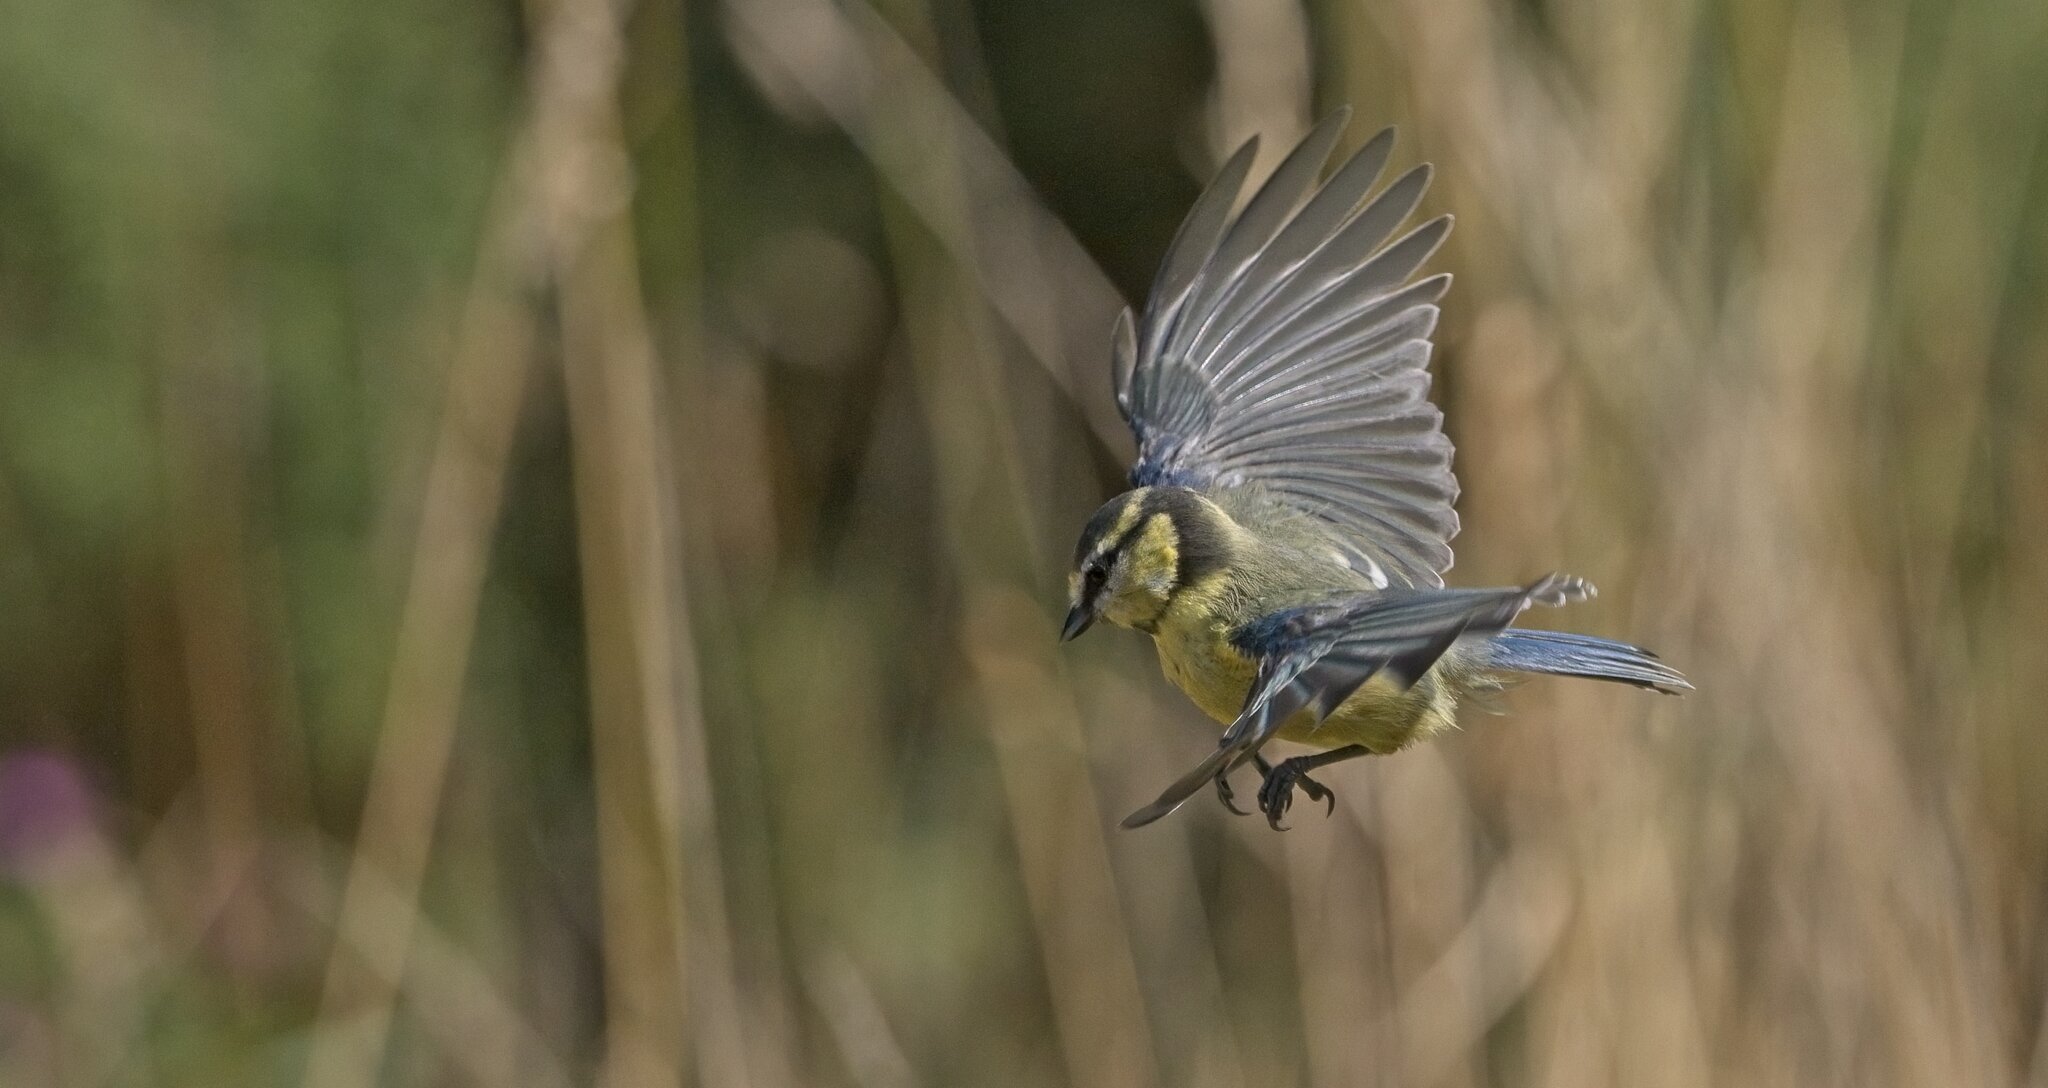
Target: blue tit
1291,508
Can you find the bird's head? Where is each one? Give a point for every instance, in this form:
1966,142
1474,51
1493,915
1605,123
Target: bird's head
1138,551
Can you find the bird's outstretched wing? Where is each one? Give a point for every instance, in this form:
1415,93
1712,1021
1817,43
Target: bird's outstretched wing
1284,351
1315,656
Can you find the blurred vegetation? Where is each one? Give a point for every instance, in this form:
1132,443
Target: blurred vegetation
530,539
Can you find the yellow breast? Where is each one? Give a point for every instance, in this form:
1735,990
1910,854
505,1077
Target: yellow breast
1196,654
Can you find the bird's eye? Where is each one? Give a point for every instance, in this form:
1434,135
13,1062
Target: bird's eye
1093,577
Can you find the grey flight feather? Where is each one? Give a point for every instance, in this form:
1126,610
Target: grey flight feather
1285,352
1562,653
1313,657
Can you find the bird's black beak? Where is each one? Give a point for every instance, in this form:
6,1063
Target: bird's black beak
1078,619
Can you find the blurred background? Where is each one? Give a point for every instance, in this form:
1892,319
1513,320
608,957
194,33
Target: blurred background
531,539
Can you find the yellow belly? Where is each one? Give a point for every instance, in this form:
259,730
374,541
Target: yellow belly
1196,654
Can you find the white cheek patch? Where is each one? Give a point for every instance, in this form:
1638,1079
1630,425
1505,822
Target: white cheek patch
1123,597
1160,584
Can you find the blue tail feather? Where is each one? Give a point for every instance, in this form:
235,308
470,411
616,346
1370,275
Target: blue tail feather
1561,653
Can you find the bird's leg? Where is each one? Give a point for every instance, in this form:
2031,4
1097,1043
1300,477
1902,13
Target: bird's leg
1228,796
1277,792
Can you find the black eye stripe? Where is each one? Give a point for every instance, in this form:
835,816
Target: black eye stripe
1108,556
1095,536
1110,553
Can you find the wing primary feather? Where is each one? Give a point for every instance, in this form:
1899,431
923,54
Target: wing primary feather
1338,684
1336,260
1339,199
1283,355
1255,226
1355,342
1406,361
1304,332
1195,241
1123,360
1394,264
1397,382
1272,269
1358,285
1408,668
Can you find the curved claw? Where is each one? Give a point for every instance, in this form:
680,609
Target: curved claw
1276,796
1318,792
1276,793
1228,796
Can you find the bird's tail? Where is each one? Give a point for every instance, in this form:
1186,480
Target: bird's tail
1560,653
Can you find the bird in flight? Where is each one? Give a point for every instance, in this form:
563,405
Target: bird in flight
1290,514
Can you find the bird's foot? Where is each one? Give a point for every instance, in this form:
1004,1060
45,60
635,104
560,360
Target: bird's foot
1229,796
1276,794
